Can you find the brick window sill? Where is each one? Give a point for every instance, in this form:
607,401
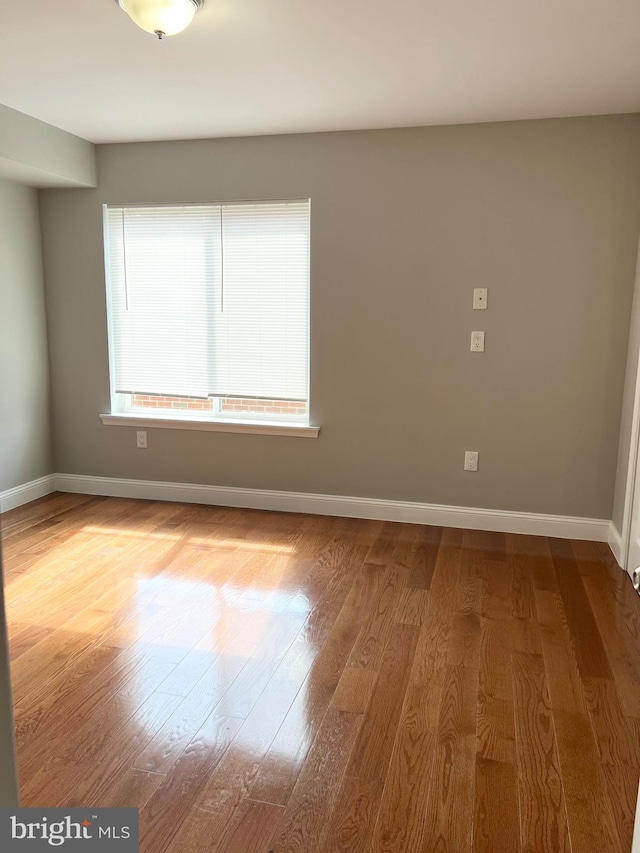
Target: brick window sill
219,425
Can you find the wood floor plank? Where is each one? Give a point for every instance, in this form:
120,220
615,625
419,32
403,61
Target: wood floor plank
495,734
203,831
78,641
412,606
617,738
286,756
401,826
255,823
161,753
518,554
108,737
134,788
385,542
72,774
464,640
40,729
432,653
29,636
449,805
310,806
496,588
616,735
494,545
543,572
621,783
369,648
240,768
353,821
354,690
21,522
563,677
258,681
471,580
236,773
589,817
620,639
543,820
424,558
276,778
496,826
591,656
163,816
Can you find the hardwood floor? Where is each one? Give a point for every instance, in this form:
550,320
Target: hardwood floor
259,682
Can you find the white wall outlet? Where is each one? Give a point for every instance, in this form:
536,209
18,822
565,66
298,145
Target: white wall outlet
141,439
477,341
479,298
471,460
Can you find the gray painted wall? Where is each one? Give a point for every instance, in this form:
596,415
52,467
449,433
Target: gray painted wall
405,223
39,154
25,451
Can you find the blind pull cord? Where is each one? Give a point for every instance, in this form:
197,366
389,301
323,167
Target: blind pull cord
221,262
124,256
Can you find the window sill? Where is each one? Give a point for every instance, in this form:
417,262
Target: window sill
246,427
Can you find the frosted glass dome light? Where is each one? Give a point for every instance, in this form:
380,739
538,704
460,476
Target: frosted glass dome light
161,17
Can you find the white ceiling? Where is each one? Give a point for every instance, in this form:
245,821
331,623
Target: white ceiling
286,66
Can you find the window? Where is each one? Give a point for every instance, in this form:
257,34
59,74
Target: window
208,310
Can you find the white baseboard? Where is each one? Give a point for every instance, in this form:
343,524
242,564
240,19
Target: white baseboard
615,543
20,495
504,521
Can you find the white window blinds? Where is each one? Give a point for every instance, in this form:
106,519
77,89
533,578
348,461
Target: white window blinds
209,300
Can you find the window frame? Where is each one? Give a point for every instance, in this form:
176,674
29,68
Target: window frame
122,412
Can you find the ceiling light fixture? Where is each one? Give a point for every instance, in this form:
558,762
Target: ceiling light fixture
161,17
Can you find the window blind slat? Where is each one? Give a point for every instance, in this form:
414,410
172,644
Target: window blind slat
210,299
